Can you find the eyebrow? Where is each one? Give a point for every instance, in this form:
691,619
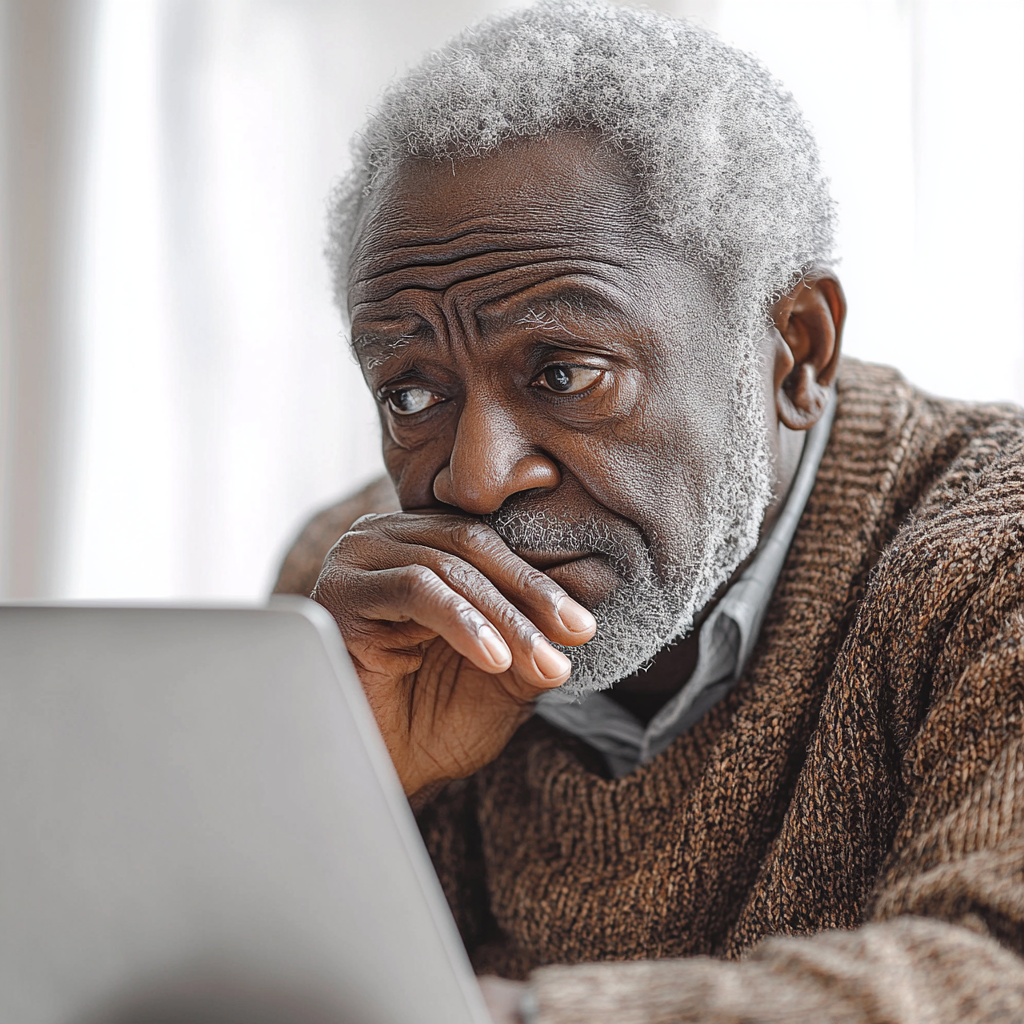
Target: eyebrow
550,312
378,348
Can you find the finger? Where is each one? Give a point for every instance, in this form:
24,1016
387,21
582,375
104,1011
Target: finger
531,591
493,642
535,661
383,540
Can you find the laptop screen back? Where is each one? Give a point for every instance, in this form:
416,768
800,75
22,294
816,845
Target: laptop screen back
200,821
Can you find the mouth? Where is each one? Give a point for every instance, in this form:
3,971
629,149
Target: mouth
545,560
583,575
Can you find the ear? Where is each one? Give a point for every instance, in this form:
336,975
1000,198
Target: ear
809,324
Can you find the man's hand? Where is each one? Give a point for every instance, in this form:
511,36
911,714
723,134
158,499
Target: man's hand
447,628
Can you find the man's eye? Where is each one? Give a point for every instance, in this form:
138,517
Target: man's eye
407,401
568,380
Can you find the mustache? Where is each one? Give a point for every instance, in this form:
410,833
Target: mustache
541,530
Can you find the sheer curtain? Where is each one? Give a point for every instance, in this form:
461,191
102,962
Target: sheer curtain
219,403
213,404
918,106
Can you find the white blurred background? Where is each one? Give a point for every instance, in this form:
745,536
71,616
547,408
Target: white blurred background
176,394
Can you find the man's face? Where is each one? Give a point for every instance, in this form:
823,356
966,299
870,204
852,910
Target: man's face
543,360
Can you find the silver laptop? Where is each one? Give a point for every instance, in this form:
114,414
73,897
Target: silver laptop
199,822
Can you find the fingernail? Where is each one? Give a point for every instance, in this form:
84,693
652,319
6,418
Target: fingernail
496,647
551,663
574,616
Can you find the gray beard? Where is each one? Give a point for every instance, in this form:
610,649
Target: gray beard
633,622
657,604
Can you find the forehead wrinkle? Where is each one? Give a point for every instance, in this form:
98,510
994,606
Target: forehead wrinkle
487,287
389,263
394,219
393,233
401,254
438,276
485,225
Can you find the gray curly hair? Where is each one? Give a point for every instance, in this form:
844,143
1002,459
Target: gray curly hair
724,163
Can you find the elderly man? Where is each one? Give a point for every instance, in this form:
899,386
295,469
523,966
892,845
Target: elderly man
698,652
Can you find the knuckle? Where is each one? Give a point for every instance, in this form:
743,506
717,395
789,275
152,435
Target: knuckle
533,581
329,591
417,580
372,519
536,580
511,619
458,574
338,550
346,549
447,566
471,533
466,616
341,577
366,532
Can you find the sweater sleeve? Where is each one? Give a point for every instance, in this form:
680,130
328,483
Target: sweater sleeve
943,938
907,969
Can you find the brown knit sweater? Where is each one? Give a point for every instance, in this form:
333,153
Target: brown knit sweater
867,774
861,791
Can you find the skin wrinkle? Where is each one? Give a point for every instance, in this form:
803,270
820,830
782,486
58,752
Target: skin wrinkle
445,239
399,227
497,237
457,266
596,256
380,221
495,232
459,274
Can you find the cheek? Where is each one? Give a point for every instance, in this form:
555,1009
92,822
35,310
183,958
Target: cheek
412,470
679,438
658,469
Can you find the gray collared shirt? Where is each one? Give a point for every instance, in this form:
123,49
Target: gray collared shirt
725,643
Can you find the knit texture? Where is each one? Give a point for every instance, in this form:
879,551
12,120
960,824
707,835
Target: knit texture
864,780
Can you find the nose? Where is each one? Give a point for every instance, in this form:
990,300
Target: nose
491,460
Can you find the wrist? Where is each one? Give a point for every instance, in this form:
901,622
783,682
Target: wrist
410,774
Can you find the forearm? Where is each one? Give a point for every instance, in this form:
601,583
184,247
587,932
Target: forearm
908,969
